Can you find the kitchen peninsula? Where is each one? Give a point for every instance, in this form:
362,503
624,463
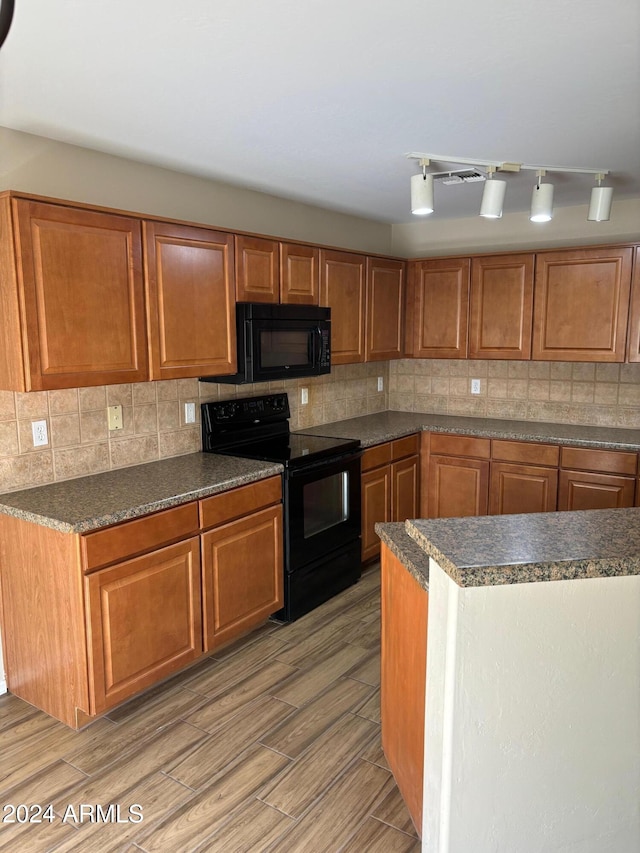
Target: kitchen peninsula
516,641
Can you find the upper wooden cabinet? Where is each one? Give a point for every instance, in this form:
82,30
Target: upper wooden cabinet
438,308
72,297
633,337
190,301
270,271
385,297
581,304
501,307
343,289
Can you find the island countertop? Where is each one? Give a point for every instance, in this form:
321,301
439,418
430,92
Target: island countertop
89,503
509,549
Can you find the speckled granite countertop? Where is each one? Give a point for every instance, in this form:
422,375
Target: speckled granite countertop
385,426
88,503
506,549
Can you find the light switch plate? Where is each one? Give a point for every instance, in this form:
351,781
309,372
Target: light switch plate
114,416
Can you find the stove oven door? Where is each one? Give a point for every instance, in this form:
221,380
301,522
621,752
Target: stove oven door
322,503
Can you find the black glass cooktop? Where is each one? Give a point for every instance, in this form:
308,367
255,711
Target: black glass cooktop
293,449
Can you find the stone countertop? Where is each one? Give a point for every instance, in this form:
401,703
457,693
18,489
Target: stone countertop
412,555
88,503
506,549
385,426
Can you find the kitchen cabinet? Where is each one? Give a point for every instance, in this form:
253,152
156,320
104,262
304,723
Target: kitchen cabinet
596,479
438,308
581,304
403,666
343,285
89,620
457,475
523,478
190,301
633,336
271,271
366,297
242,561
385,298
71,297
501,306
390,487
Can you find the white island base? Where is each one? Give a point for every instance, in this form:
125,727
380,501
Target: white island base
532,720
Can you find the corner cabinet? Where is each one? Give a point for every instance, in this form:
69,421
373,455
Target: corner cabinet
582,304
90,620
190,301
59,332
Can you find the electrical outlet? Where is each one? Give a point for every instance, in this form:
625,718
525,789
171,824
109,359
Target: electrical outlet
304,396
39,431
475,386
114,417
380,383
189,413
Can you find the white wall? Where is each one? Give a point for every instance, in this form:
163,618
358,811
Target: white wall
532,735
39,165
569,227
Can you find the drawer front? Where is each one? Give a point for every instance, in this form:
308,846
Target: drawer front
609,461
139,535
218,509
460,445
374,457
530,453
402,447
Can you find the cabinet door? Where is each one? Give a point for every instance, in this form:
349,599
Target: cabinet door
191,305
343,289
405,489
299,274
581,305
385,297
376,506
242,575
440,308
257,269
584,490
501,307
522,488
633,337
83,291
457,487
143,621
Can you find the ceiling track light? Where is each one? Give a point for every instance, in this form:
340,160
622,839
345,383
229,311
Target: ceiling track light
422,191
492,196
494,189
541,200
600,204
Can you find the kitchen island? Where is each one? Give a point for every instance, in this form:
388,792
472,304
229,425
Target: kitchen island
516,641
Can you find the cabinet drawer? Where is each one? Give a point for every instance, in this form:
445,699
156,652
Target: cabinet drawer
135,537
610,461
373,457
402,447
460,445
524,451
226,506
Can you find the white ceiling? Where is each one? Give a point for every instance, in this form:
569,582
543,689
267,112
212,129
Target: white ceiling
320,100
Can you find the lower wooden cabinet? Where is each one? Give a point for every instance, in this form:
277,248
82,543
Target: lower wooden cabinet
143,621
403,670
524,477
457,476
242,574
596,479
390,488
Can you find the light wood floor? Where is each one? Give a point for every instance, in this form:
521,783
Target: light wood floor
273,744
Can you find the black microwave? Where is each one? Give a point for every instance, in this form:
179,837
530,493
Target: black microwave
280,342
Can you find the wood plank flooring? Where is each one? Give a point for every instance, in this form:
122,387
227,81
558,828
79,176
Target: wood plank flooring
271,745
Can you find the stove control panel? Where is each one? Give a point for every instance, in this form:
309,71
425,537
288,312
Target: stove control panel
229,415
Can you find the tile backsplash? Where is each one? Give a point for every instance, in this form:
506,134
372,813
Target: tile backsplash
153,420
153,412
559,392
